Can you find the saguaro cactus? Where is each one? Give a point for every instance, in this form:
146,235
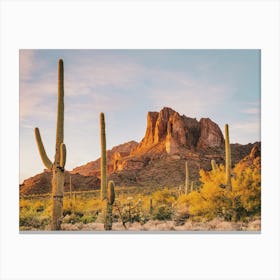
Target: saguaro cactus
192,186
151,208
214,165
107,193
228,159
57,167
187,179
70,187
103,162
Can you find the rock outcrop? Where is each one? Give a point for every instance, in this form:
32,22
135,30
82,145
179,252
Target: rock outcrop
210,134
168,131
253,159
93,168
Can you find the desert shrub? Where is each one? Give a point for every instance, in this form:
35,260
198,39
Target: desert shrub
29,220
86,219
34,214
131,211
164,197
71,219
213,200
247,187
163,212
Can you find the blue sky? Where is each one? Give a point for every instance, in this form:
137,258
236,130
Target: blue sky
223,85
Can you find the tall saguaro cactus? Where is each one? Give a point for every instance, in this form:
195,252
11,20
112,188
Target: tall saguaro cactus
103,162
107,193
57,167
228,160
187,179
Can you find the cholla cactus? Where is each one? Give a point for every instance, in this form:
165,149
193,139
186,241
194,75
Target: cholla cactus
228,160
57,167
107,193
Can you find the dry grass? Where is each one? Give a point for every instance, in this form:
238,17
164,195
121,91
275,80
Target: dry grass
155,225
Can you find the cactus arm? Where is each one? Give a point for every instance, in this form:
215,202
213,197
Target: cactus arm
109,206
44,157
60,111
103,163
111,192
62,155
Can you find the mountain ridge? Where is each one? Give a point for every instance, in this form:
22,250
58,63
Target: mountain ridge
157,160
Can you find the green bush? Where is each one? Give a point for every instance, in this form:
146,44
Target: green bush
86,219
163,212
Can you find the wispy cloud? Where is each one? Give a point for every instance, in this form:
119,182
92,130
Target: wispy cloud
252,109
95,86
242,131
195,98
27,62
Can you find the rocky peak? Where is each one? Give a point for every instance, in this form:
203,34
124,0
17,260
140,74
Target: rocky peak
150,130
161,124
210,134
169,131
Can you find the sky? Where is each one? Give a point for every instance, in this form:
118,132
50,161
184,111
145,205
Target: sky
223,85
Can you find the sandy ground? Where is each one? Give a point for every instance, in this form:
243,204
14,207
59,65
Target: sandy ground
214,225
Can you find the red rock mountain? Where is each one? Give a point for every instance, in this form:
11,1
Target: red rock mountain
41,183
93,168
159,159
167,131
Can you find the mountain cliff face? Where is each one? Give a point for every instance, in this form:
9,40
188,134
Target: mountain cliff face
159,159
168,131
